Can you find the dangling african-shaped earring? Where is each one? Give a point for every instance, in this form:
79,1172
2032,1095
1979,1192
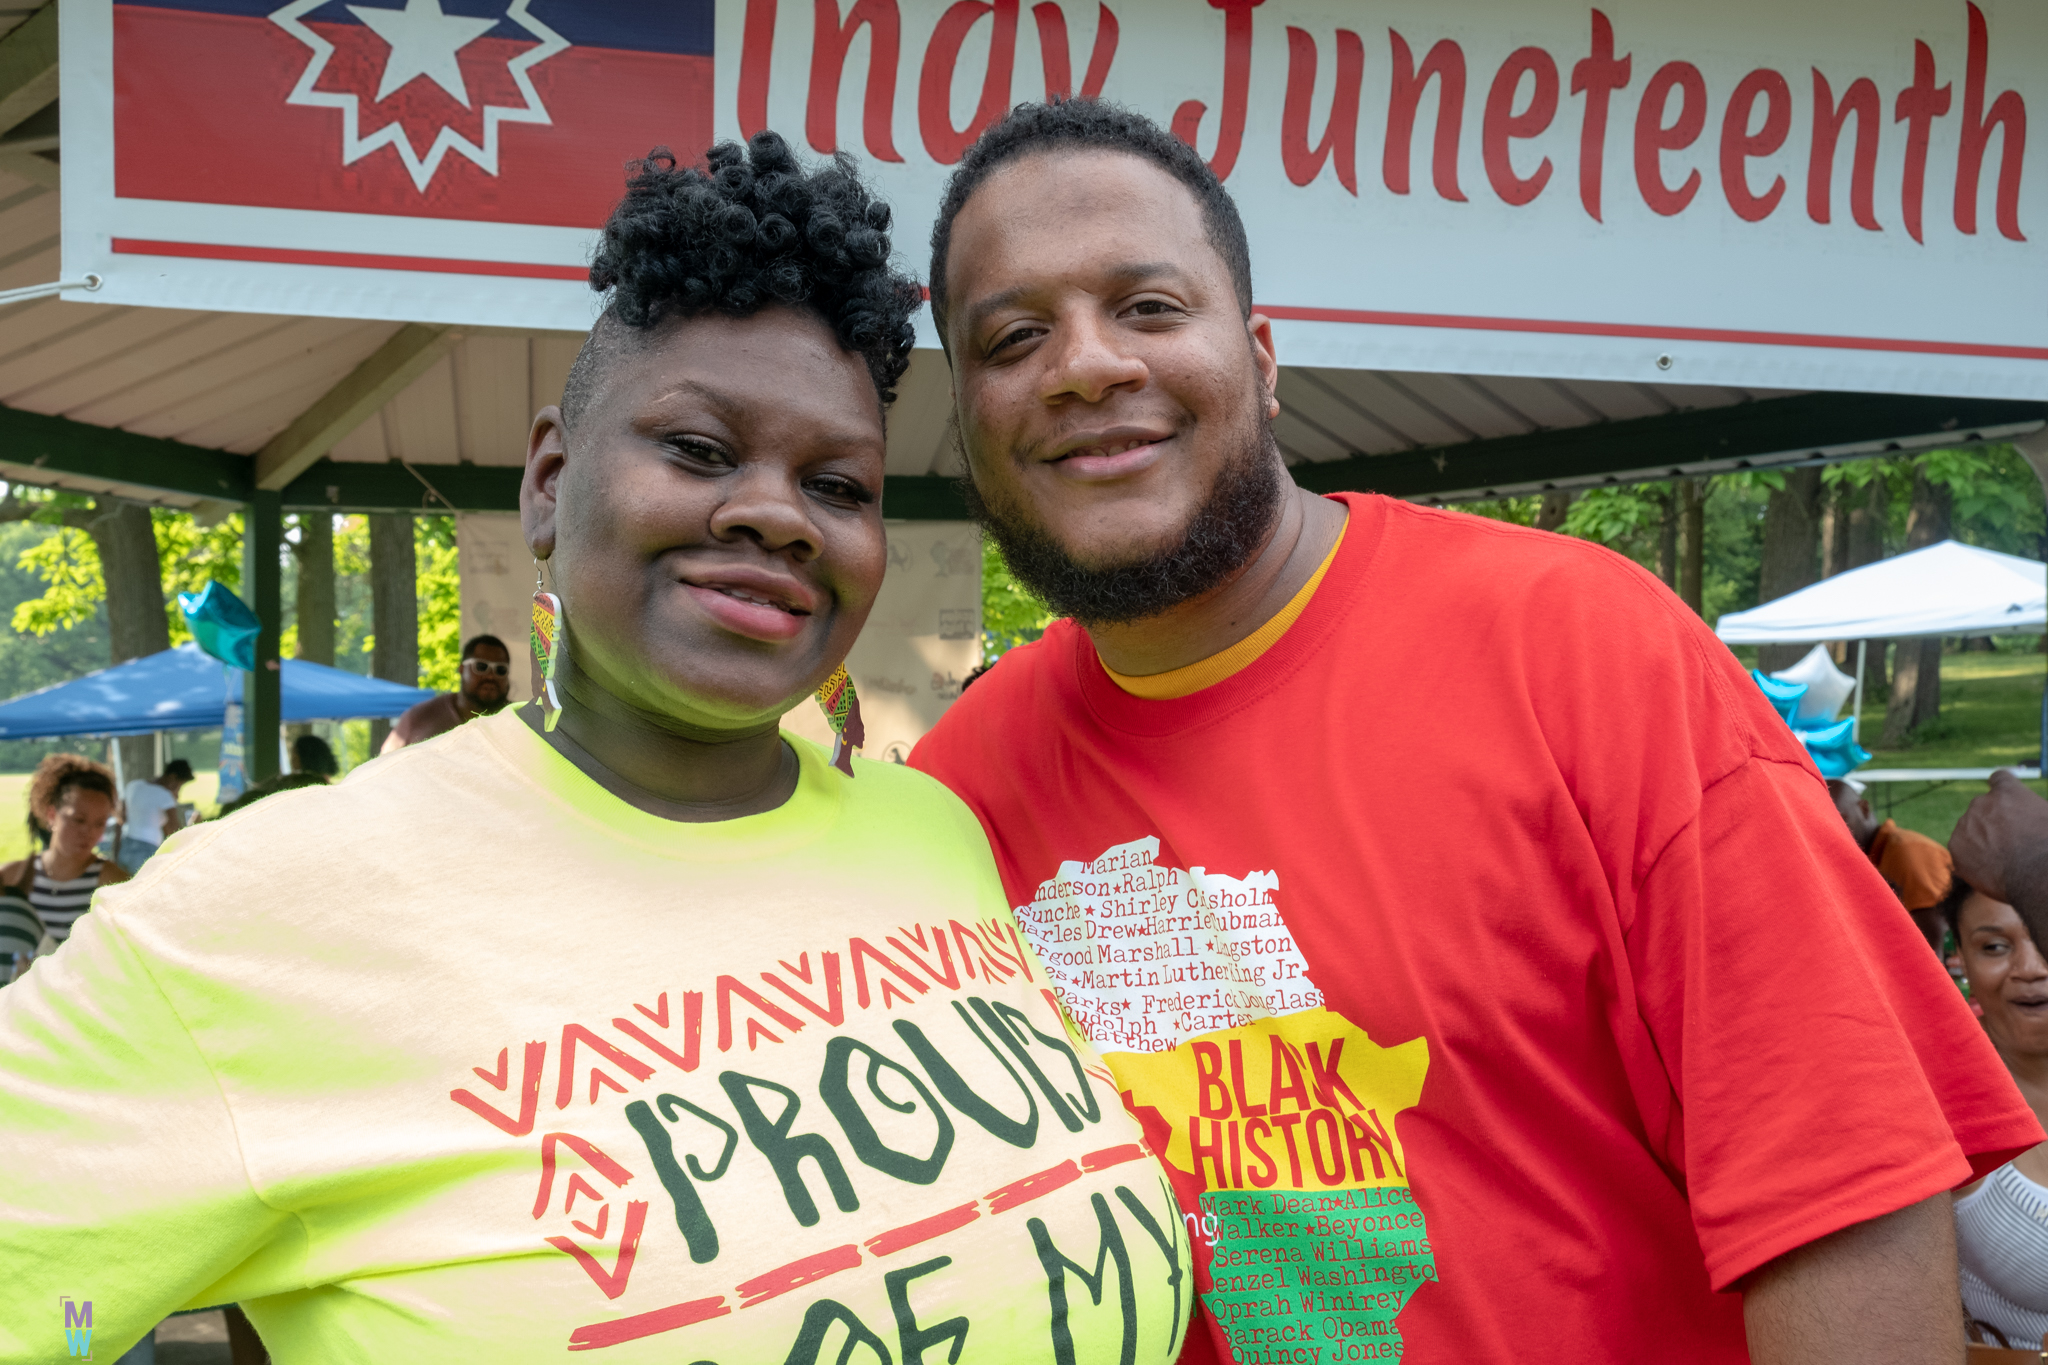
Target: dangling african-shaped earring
842,713
549,645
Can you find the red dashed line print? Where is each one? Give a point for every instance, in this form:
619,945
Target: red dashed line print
811,1269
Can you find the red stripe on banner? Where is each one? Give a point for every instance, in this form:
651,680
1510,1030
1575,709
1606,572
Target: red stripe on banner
593,1336
200,116
1653,333
358,260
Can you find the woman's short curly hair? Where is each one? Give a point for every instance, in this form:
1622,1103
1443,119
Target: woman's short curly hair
57,776
755,230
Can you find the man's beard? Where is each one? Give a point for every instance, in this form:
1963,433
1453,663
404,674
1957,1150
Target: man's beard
1229,527
482,707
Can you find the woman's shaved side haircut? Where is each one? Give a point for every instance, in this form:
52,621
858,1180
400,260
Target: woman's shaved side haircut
754,230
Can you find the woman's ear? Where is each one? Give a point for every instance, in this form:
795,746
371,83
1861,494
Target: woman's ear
546,453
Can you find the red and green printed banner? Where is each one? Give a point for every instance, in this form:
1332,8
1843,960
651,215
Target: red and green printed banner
1833,195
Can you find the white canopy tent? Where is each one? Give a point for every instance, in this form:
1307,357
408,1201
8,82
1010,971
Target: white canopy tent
1944,589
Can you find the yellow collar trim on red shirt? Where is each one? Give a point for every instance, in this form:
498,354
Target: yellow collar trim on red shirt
1192,678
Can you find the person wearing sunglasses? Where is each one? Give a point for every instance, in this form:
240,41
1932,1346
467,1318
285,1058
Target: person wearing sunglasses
486,685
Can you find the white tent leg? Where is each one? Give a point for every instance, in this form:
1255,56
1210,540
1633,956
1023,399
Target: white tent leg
1856,715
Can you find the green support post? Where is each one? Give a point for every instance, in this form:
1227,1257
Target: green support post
262,700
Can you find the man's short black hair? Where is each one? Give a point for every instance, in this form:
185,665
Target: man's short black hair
178,768
1090,125
469,646
753,231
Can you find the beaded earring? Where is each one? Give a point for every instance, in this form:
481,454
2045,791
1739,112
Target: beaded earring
549,645
842,713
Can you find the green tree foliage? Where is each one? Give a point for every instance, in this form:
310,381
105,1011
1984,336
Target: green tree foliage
439,589
440,599
29,660
68,565
193,555
1998,506
354,635
1010,614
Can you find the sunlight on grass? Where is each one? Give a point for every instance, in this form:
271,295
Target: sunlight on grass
1990,718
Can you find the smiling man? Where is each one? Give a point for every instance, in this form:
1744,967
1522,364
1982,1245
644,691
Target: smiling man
486,686
1483,956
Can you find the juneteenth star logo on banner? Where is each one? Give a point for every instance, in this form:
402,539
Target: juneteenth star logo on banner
423,79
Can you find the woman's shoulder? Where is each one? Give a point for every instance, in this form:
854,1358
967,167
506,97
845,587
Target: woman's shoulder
111,873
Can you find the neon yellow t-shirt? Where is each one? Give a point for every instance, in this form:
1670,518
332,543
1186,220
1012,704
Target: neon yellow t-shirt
466,1059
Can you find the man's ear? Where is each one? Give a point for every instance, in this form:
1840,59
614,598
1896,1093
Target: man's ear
1259,328
546,453
1863,804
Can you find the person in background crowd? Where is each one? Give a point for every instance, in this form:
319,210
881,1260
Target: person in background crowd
150,814
2000,847
21,934
310,754
1629,1054
1916,868
486,683
71,797
843,1135
2002,1221
283,782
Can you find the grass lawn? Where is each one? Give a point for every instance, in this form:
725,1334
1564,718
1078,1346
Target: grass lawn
1990,717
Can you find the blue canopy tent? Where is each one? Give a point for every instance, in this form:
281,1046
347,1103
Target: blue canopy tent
183,689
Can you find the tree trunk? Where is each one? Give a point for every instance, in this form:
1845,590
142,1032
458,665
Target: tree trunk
1834,553
136,626
1869,512
1550,516
1667,539
1791,552
394,608
315,552
1837,512
1916,679
1692,515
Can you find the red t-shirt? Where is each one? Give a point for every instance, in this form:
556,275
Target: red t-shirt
1486,958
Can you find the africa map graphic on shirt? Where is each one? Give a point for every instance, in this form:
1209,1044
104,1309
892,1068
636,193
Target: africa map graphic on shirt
1278,1110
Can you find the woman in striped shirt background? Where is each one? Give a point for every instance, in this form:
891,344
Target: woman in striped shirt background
70,800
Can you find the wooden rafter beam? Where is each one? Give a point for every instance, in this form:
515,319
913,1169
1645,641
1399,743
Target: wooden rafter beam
63,449
410,353
28,68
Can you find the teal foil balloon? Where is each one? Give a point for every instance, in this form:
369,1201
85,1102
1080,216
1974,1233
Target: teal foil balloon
1783,696
1834,749
221,624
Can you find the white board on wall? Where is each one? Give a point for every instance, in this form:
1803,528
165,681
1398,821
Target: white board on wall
496,574
921,641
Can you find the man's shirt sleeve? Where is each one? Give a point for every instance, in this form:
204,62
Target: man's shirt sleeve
124,1179
1825,1070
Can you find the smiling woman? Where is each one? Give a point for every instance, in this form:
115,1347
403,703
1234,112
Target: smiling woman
343,1057
2002,1222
